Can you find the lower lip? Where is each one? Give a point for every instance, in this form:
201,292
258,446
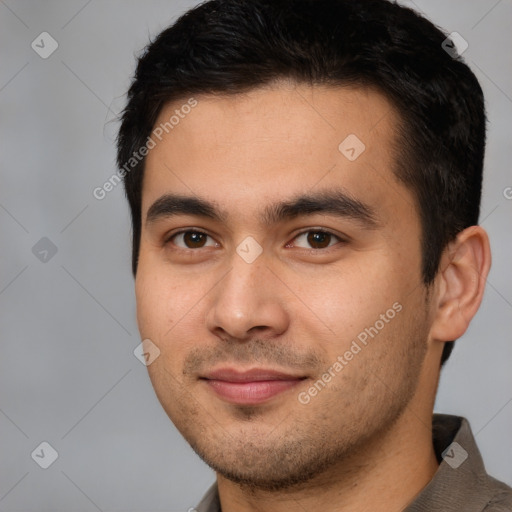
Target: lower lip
250,393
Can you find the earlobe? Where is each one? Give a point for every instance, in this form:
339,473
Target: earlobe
463,273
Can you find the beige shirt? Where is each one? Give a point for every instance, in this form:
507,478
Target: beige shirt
460,483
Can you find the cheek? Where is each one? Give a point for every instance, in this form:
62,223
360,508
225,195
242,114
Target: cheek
158,303
352,296
170,309
147,298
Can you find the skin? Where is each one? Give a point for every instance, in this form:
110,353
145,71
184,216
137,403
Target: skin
363,442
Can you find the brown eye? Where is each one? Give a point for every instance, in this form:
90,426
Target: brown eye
316,239
191,240
319,239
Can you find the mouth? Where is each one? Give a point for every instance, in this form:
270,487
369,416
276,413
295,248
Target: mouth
249,387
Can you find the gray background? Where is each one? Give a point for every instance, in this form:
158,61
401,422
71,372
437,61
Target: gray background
68,375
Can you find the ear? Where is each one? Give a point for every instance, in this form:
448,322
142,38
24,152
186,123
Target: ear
465,264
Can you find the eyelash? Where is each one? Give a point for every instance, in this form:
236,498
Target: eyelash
319,230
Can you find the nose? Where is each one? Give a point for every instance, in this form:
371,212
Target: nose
247,303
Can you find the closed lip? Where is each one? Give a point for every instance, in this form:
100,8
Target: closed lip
251,375
249,386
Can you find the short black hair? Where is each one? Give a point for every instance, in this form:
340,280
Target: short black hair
232,46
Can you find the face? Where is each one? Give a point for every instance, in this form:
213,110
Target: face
280,278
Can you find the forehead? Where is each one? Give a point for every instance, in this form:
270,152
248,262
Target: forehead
246,151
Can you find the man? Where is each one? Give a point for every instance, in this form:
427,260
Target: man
304,178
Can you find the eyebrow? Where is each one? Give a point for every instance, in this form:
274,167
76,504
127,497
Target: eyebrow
328,202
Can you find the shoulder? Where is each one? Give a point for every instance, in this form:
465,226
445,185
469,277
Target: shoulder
501,500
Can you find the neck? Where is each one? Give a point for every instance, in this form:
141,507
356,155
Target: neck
385,474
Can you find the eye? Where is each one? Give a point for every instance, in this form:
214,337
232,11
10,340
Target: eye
316,239
192,239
